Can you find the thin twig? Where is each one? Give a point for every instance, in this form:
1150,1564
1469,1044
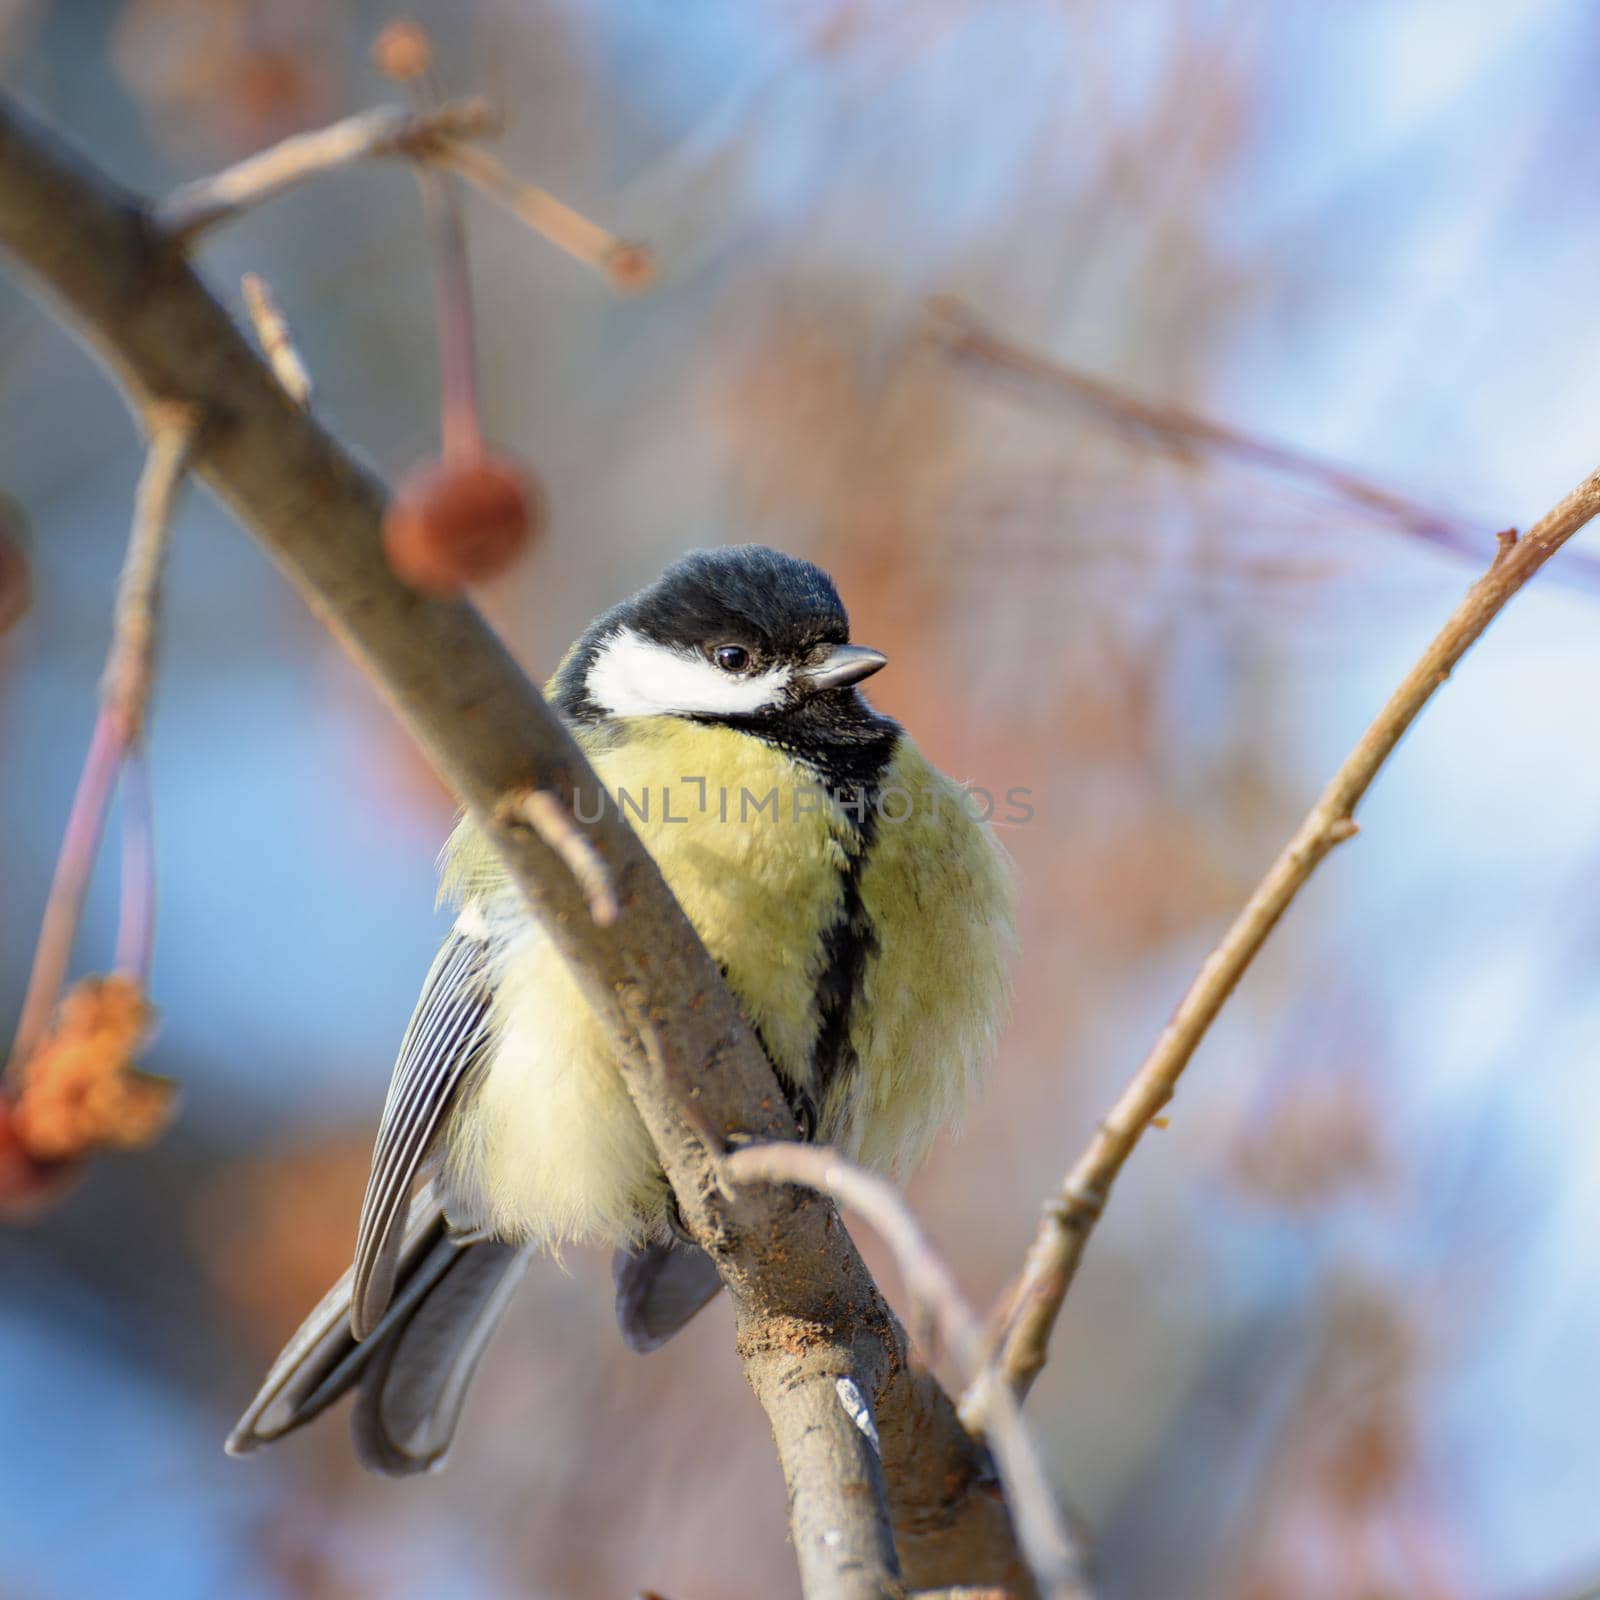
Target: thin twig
130,666
136,916
1051,1552
555,824
384,131
461,412
628,266
277,339
967,341
1034,1301
461,419
79,846
119,727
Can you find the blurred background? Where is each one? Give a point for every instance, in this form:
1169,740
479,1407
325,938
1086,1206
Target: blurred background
1336,1335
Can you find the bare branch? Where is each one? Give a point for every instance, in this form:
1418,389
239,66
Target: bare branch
838,1501
965,339
124,703
385,131
1034,1300
277,341
628,266
808,1312
1052,1554
130,667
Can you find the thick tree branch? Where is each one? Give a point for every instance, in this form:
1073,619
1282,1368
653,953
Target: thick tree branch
808,1311
1035,1299
1052,1553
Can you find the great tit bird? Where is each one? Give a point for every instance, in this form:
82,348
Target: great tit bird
861,914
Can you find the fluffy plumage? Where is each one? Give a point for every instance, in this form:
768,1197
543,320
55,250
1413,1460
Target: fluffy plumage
545,1144
860,914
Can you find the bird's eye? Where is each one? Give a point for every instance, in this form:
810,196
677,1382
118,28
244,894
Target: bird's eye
731,657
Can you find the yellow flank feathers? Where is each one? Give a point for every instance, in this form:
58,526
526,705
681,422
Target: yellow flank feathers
545,1143
938,889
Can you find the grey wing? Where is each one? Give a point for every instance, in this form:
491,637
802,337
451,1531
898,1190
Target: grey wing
412,1373
321,1362
447,1034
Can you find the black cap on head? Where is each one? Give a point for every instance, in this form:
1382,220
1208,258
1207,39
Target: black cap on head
746,592
779,607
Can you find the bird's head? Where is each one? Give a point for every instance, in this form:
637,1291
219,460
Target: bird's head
742,634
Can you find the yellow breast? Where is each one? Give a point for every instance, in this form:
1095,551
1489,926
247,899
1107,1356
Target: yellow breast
763,885
546,1143
748,843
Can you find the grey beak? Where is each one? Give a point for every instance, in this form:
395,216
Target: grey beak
848,664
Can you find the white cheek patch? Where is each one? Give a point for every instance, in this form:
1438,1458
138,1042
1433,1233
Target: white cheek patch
636,677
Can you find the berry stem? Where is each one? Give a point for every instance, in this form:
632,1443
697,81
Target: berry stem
118,729
136,922
461,414
69,884
460,419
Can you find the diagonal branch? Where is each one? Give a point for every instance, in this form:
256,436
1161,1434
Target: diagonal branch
384,131
971,345
1056,1562
808,1310
629,266
429,135
1034,1300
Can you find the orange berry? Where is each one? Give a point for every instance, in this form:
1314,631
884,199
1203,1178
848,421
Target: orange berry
80,1089
452,523
403,51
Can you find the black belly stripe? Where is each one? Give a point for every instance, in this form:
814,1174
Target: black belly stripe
849,747
847,946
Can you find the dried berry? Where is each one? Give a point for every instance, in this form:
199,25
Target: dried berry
452,523
80,1088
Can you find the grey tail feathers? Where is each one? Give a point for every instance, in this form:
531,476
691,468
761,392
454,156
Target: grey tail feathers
412,1373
